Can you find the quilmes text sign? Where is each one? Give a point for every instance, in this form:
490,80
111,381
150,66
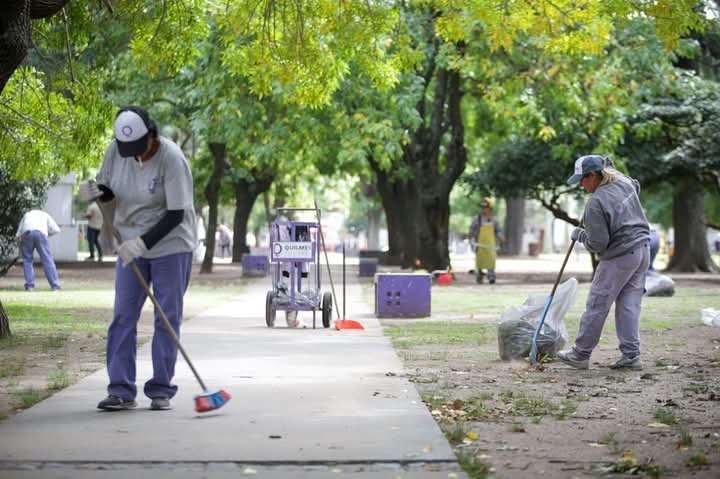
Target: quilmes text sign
293,251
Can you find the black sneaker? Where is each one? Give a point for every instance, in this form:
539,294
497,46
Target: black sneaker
160,404
114,403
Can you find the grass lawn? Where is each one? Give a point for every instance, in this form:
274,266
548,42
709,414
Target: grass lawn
59,337
466,315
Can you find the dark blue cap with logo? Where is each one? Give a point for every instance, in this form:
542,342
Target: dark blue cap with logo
586,164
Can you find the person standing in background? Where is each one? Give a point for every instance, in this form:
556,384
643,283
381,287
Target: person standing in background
32,234
485,234
94,224
225,239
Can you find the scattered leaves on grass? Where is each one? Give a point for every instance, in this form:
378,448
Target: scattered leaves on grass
685,441
520,404
665,416
628,464
473,466
698,460
57,380
456,433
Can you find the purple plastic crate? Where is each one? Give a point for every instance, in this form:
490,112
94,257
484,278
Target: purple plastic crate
254,265
368,267
402,295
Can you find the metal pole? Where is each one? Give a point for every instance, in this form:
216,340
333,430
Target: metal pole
343,279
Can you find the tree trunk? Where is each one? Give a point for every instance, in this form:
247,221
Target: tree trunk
399,215
15,31
212,194
433,183
246,193
4,323
514,226
14,37
691,252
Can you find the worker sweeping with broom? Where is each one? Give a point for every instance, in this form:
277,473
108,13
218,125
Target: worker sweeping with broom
616,229
145,188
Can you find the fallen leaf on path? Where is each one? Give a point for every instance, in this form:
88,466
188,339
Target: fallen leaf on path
658,425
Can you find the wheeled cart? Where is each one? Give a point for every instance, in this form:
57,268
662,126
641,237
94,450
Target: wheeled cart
295,258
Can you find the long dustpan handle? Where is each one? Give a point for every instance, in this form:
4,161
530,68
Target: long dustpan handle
327,262
533,346
158,308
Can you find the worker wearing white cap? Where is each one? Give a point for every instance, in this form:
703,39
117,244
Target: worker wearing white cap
616,230
148,181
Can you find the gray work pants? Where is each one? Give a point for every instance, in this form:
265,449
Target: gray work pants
621,281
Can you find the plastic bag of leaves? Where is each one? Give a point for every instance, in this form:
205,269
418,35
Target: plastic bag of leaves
518,323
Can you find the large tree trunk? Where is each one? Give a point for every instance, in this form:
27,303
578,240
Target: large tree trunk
514,226
15,31
434,183
246,193
691,252
212,194
399,207
4,323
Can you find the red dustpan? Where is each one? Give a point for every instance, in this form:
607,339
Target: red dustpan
346,323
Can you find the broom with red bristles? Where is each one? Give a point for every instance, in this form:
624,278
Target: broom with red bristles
208,400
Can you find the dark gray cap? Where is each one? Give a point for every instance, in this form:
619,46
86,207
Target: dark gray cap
584,165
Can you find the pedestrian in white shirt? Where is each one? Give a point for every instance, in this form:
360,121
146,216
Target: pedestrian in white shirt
32,233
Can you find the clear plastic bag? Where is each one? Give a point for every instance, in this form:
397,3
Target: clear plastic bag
710,317
657,284
518,323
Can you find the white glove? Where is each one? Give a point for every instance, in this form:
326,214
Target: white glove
89,191
131,249
579,235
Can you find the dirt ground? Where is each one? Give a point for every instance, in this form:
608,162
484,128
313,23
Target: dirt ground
517,421
563,423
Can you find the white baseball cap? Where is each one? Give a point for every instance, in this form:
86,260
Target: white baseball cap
132,127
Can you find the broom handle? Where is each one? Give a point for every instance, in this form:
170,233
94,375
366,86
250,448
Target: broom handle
327,262
562,268
159,309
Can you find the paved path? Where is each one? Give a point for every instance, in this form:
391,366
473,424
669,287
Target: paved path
307,403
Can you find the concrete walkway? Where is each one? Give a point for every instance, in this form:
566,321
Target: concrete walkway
307,403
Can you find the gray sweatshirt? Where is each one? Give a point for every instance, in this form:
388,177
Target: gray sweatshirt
614,220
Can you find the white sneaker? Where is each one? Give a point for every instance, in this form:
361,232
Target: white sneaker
570,358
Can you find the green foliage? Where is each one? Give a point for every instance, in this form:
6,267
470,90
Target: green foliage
674,133
548,110
51,127
564,26
307,48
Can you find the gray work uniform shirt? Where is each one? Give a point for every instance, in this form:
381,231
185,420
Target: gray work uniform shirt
614,220
145,192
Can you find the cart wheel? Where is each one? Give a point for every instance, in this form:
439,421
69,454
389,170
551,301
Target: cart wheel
326,309
269,310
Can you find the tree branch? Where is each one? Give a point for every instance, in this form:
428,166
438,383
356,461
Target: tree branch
557,211
67,45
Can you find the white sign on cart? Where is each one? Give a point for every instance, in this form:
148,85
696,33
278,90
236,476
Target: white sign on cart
292,250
